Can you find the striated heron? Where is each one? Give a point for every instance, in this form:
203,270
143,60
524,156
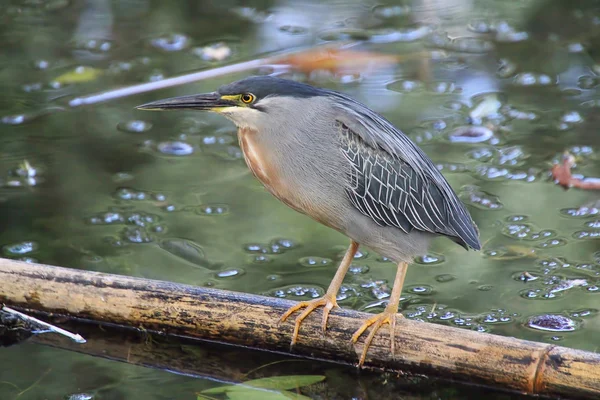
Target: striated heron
335,160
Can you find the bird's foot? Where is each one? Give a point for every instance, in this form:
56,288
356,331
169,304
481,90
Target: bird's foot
328,302
386,317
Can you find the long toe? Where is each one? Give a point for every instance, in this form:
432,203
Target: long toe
309,306
377,321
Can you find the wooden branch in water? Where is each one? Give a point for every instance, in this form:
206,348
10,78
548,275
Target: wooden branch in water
249,320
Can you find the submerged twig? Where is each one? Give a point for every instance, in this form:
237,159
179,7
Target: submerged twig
165,83
50,328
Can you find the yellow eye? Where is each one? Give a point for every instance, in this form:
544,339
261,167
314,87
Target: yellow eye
247,98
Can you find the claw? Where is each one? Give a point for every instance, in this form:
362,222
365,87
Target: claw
327,302
386,317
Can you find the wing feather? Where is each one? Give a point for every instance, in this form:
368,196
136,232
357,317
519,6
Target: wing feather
385,184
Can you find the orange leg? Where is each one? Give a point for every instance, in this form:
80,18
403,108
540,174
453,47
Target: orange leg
388,316
328,301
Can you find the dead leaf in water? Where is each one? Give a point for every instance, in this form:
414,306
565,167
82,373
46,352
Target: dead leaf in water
562,175
336,60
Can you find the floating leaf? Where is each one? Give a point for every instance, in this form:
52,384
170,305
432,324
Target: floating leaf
336,60
258,394
274,383
79,75
562,175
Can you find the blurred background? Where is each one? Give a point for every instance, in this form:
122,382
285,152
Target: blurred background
495,92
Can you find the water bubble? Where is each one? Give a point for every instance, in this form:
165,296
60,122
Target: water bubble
136,234
130,194
175,148
571,117
284,243
552,323
581,212
93,45
443,278
471,134
482,154
551,243
420,289
32,87
41,64
405,86
508,34
298,292
141,218
172,42
314,261
389,11
229,273
20,248
213,209
516,218
214,52
443,87
514,113
186,250
358,269
255,248
81,396
135,126
360,254
532,79
510,155
106,218
16,119
122,177
479,26
261,259
517,231
588,234
541,294
156,76
478,198
430,259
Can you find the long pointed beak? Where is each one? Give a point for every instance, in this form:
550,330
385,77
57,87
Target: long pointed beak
207,101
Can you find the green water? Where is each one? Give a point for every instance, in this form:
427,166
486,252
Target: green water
100,192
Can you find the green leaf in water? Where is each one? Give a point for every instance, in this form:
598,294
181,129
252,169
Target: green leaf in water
259,394
79,75
273,383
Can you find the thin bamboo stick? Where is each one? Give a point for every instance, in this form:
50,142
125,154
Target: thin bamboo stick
249,320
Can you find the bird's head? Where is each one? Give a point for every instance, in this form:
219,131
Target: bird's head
250,103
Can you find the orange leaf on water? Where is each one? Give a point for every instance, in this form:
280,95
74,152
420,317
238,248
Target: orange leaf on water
336,60
562,175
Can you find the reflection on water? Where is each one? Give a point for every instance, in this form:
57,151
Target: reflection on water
493,91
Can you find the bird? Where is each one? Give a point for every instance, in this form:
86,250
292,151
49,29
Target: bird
332,158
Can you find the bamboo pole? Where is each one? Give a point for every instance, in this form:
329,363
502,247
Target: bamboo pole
249,320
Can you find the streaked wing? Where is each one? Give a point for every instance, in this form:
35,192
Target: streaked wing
388,190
